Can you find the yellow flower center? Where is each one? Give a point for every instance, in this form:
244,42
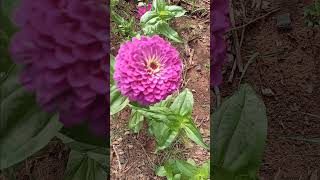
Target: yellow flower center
153,65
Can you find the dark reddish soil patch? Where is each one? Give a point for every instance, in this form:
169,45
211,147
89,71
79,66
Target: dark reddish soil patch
133,153
293,74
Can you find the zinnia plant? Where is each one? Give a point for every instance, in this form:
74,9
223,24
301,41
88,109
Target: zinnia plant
147,77
312,14
156,21
148,71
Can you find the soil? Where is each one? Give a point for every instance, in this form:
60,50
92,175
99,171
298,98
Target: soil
47,164
132,154
292,72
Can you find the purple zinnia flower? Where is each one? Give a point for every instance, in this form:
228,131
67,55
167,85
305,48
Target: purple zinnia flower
147,70
63,45
219,25
142,10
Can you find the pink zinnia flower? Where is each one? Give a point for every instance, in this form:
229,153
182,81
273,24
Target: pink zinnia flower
142,10
63,47
147,70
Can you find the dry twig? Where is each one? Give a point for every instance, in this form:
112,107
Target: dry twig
251,60
117,155
236,39
254,20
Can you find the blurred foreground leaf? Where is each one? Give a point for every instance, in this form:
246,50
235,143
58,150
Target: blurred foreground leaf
25,128
86,161
239,134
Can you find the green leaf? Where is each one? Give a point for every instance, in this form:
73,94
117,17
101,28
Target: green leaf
86,161
8,7
136,121
158,5
83,167
183,104
25,128
160,114
164,135
163,103
239,134
169,168
164,29
180,169
156,20
165,139
185,168
112,63
6,32
193,133
204,171
151,27
84,134
176,11
113,3
177,177
160,171
117,101
148,16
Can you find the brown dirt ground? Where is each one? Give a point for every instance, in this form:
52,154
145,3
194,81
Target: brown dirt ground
47,164
294,77
135,151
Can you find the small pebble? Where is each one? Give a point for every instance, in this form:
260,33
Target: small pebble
120,153
198,68
130,146
284,21
122,161
115,142
294,107
268,92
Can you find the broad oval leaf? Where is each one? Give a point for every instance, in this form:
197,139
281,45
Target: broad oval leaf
148,16
164,29
239,134
193,133
136,121
86,161
27,137
8,7
183,104
176,11
160,114
117,101
160,171
185,168
83,167
158,5
163,103
164,135
25,128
